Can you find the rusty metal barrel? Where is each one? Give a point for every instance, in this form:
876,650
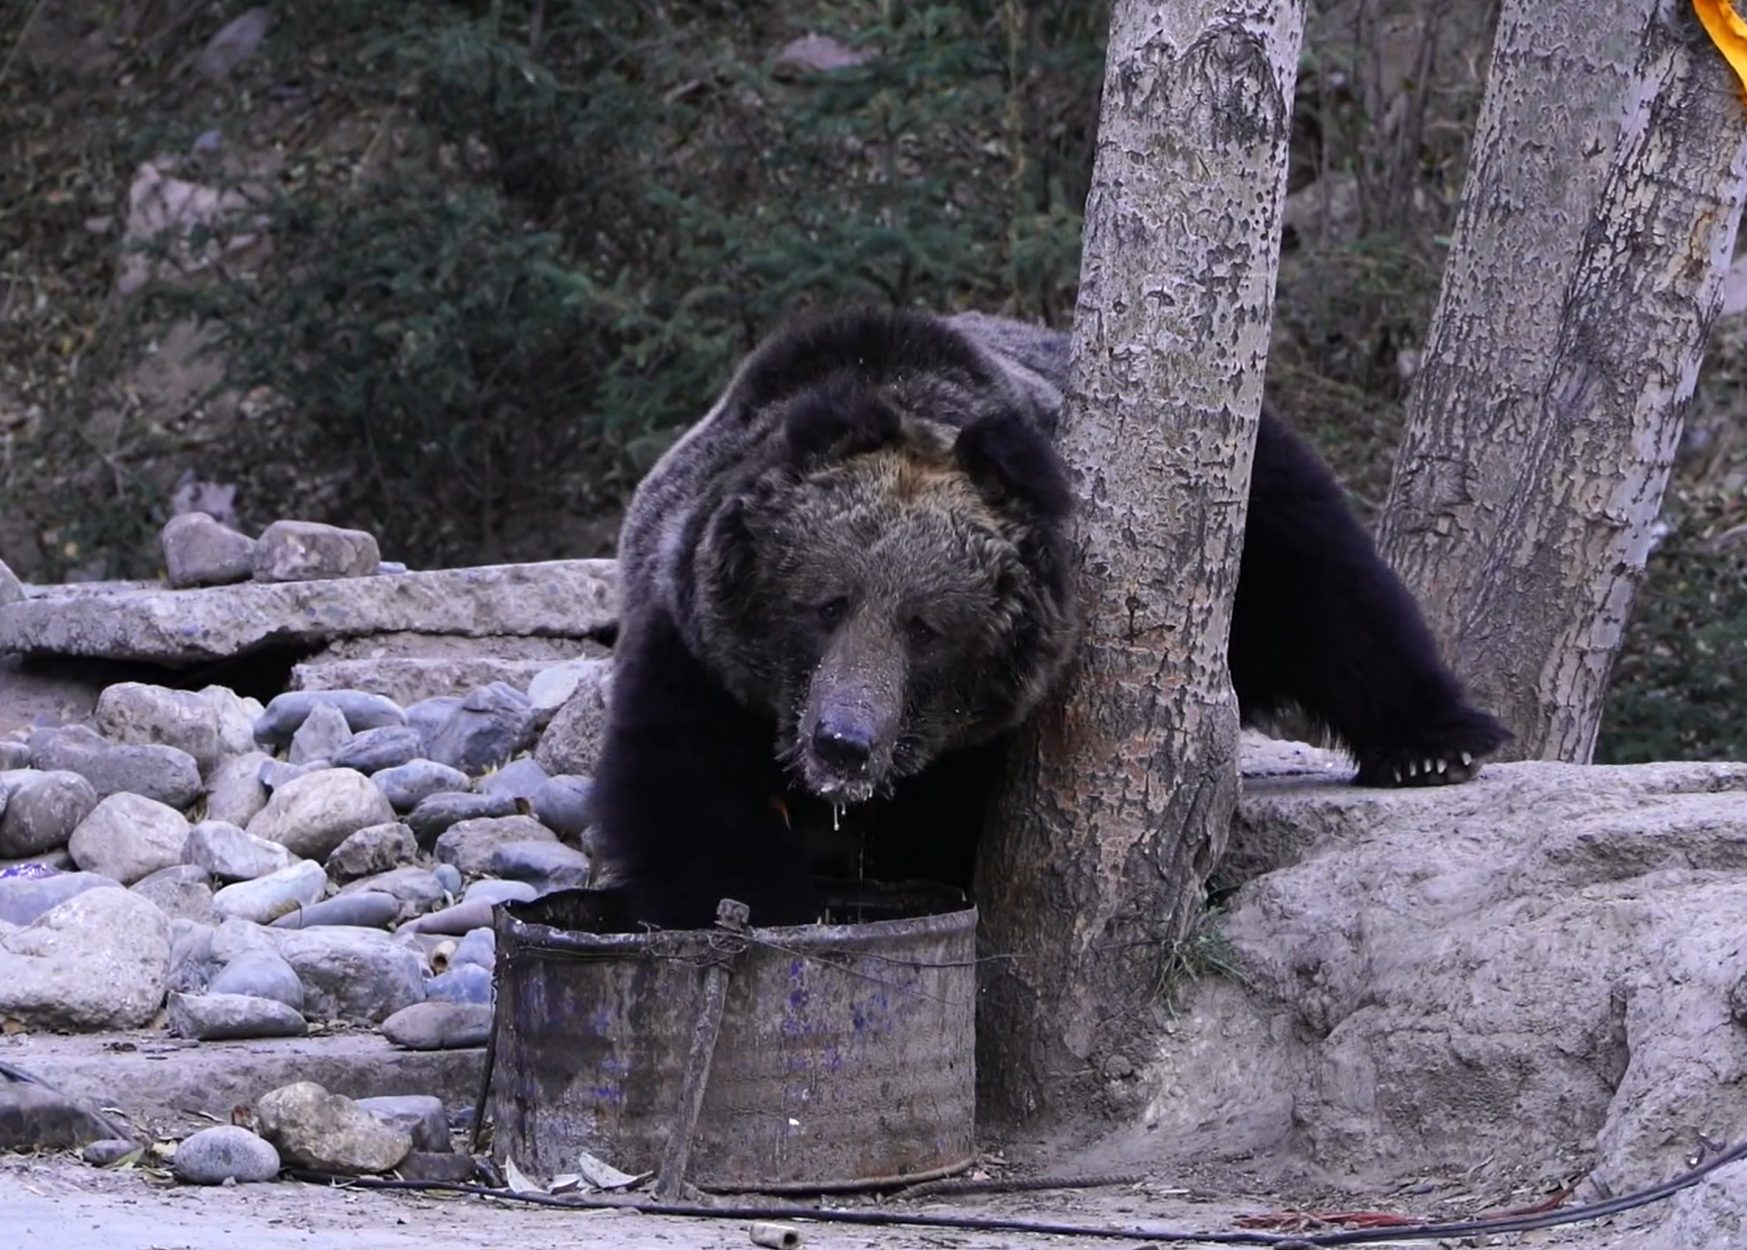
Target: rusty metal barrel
844,1057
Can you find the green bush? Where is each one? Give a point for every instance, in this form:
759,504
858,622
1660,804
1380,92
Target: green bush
1677,691
582,233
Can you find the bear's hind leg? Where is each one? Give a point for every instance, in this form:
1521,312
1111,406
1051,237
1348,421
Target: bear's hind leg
1321,622
685,792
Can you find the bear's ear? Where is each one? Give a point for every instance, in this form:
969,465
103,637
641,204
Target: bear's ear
1009,459
835,420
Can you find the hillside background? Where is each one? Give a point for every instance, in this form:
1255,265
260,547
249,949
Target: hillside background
457,272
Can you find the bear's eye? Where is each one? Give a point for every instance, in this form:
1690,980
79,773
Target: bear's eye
833,610
920,632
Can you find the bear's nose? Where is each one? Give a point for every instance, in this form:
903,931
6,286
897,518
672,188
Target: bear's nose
843,747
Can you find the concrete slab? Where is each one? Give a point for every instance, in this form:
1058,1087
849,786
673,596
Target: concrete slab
172,1085
551,598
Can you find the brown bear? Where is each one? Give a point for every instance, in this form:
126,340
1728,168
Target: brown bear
850,581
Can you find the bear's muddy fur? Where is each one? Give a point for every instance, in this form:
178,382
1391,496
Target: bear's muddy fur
850,581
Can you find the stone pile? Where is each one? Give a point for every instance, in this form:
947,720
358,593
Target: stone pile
331,856
196,861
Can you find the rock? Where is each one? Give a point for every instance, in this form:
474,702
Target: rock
438,1166
1541,957
407,785
439,1026
359,975
141,714
97,961
552,687
429,715
234,43
328,1132
322,735
456,920
213,1017
376,749
439,812
23,899
15,755
287,712
420,1116
470,844
373,849
234,791
107,1151
546,865
814,54
367,909
129,836
236,717
478,947
261,973
265,899
163,773
41,810
571,743
559,598
231,854
34,1115
198,551
192,963
277,773
492,892
462,983
233,938
449,877
562,804
492,724
418,887
181,891
11,589
313,814
307,551
1712,1215
224,1152
409,679
518,779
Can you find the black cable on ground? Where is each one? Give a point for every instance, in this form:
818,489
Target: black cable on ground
976,1223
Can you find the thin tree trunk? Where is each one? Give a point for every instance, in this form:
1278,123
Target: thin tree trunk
1119,805
1609,169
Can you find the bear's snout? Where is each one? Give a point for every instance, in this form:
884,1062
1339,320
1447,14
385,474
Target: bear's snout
849,722
844,743
845,749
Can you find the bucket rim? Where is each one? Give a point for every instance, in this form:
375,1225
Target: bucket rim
801,938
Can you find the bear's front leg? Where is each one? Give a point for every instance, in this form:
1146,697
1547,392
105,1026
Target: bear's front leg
1322,622
686,791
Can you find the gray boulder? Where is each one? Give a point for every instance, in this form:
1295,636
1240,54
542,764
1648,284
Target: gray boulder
312,814
307,551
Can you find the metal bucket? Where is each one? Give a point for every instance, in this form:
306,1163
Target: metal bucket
845,1057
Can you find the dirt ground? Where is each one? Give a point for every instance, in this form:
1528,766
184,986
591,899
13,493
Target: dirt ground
55,1202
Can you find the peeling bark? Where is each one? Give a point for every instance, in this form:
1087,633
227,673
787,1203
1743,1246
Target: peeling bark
1610,166
1120,803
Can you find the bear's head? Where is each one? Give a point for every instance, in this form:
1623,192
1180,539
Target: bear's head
890,585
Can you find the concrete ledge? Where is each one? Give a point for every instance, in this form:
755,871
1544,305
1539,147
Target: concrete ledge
172,1085
553,598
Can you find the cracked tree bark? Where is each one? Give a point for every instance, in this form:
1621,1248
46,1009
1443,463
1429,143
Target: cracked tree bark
1119,804
1599,215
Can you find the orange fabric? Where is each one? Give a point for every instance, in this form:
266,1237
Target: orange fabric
1727,31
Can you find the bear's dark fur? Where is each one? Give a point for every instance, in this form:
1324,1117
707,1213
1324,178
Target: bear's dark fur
848,582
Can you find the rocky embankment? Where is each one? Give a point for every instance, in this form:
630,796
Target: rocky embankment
188,861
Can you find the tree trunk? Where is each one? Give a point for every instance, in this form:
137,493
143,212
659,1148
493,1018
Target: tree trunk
1120,802
1597,222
